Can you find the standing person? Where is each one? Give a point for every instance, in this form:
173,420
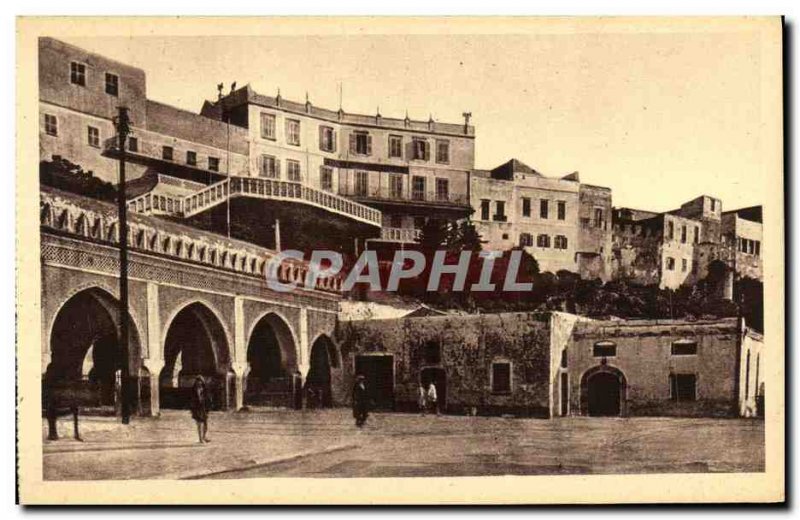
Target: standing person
201,402
432,398
360,401
421,400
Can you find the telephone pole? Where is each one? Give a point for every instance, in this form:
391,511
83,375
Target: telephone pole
122,123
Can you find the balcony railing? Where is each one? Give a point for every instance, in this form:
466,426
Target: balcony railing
426,197
405,235
271,189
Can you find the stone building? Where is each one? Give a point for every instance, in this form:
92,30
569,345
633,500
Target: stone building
742,234
555,364
668,249
562,223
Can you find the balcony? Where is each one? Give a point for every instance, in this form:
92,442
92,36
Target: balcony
383,196
400,235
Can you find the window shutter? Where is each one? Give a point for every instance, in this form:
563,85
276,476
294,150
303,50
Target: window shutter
369,144
322,138
277,168
334,137
427,149
353,143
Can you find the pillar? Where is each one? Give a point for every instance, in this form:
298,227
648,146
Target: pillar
240,371
152,354
88,362
303,362
155,404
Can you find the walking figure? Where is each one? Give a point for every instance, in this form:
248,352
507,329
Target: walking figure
360,401
422,400
201,402
432,398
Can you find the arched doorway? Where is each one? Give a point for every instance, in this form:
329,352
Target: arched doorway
84,345
438,377
273,363
319,393
603,391
195,345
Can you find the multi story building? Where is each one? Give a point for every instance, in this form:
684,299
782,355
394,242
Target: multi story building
560,222
742,235
364,177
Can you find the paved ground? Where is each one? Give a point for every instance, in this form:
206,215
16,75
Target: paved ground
326,444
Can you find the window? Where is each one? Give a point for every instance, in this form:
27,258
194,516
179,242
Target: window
418,188
747,377
327,139
526,207
396,221
683,234
93,136
696,235
396,146
544,206
213,164
684,265
500,211
420,147
191,158
683,387
713,205
598,217
562,210
560,242
757,248
270,167
419,222
585,222
543,241
326,178
501,377
50,124
293,170
361,143
293,132
670,263
684,347
442,190
485,209
432,352
133,144
268,126
396,186
112,84
442,151
670,230
77,73
525,240
166,153
362,183
564,358
604,349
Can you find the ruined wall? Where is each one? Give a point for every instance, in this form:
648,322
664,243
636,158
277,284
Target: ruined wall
594,249
469,345
636,249
751,375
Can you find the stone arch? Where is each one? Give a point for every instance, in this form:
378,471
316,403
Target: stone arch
604,391
323,358
272,361
195,343
84,341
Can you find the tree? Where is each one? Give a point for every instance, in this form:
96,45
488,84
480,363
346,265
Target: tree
464,237
68,176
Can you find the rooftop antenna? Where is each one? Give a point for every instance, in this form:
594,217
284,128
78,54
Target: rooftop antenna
233,87
340,95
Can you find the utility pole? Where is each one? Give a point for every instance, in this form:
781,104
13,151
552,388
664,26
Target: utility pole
122,123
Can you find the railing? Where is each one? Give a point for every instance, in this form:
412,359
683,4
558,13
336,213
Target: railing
290,190
206,198
425,197
390,234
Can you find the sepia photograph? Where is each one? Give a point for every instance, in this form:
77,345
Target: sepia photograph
430,254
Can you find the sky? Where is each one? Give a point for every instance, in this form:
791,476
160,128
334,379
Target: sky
660,118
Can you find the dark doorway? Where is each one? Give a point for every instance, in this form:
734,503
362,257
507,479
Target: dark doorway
564,394
271,356
379,374
318,382
438,377
604,394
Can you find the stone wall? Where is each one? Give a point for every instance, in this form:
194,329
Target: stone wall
468,346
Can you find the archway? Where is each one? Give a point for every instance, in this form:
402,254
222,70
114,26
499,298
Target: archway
195,345
273,363
603,392
319,393
438,377
84,344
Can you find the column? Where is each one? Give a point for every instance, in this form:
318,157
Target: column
240,371
152,355
303,362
